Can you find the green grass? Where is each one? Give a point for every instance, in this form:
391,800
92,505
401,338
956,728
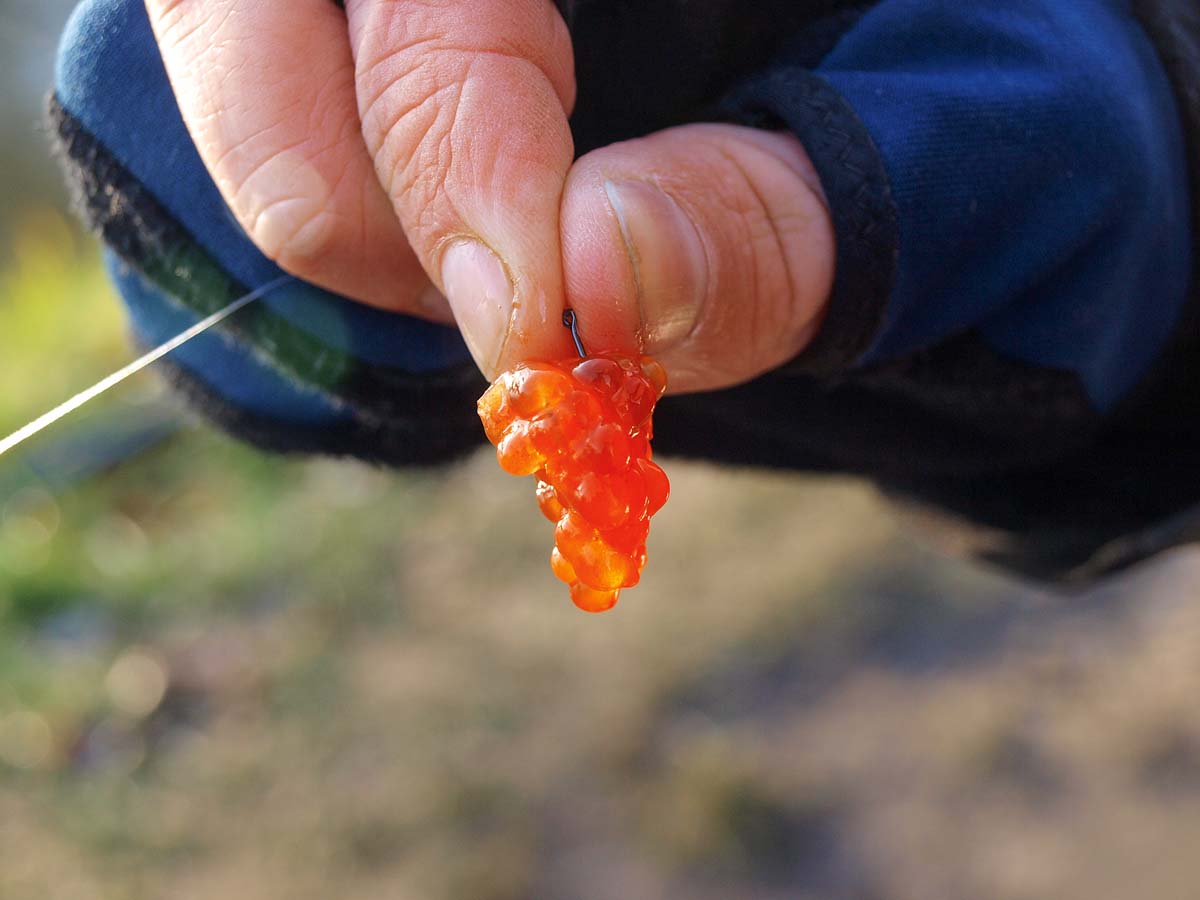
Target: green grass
224,673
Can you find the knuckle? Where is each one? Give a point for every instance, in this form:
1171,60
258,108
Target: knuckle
283,203
426,82
769,226
294,232
406,65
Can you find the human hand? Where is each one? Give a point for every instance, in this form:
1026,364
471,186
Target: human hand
408,141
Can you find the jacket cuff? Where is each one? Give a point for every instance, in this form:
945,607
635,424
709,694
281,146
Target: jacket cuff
857,194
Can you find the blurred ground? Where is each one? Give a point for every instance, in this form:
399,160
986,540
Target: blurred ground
227,674
224,674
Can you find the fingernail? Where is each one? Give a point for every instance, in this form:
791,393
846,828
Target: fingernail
668,260
481,296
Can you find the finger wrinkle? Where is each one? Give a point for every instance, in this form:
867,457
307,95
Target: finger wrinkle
417,155
206,17
275,154
306,233
241,143
395,117
773,227
522,49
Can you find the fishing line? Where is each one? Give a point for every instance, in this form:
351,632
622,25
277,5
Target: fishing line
63,409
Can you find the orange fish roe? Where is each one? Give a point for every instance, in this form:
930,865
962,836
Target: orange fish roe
583,428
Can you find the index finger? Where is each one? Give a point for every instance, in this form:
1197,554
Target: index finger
267,92
464,108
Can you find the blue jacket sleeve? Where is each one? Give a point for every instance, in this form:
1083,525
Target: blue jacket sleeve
1011,168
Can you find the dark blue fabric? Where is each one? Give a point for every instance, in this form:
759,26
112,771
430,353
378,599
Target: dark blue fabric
111,78
1036,159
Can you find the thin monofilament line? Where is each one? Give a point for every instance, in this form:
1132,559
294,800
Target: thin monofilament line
63,409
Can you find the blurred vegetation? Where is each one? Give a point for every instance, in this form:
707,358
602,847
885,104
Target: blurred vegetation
230,674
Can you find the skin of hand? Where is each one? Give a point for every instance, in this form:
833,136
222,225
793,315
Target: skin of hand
416,155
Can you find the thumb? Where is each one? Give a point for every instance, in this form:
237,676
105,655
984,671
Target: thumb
707,246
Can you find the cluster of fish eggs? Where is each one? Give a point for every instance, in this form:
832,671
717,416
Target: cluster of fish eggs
582,427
